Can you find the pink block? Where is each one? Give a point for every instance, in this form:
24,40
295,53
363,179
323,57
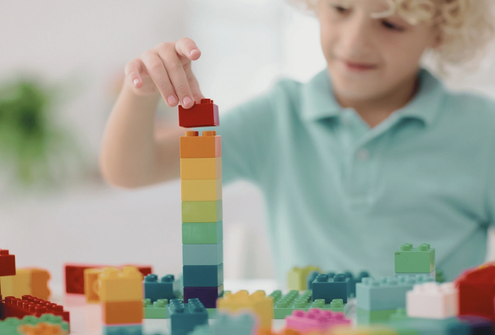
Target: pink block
315,319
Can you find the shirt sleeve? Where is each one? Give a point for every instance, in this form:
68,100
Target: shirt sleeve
247,141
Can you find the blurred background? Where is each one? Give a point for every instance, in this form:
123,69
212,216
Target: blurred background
61,67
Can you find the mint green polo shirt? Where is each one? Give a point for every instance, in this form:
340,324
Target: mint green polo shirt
342,196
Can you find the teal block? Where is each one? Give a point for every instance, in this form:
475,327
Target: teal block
185,317
122,330
202,232
386,293
450,326
202,275
202,254
415,260
202,211
328,288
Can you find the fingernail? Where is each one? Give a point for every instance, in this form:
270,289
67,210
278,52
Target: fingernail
171,100
192,52
186,101
135,82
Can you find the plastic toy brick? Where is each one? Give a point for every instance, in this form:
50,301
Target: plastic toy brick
154,289
39,283
399,314
91,276
415,260
200,168
328,289
10,325
366,317
369,330
184,317
204,114
209,145
312,276
17,285
202,232
353,280
202,275
28,305
155,310
439,276
432,326
477,291
202,211
315,320
296,278
386,293
123,285
7,263
207,295
122,312
202,254
433,301
257,302
74,275
478,325
337,305
201,190
229,324
284,305
122,329
41,329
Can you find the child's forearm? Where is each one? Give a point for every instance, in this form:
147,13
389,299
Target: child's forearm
128,156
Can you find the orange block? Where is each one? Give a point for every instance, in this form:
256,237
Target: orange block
91,276
122,312
209,145
39,283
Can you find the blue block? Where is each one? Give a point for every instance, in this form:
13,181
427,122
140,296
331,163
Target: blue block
184,317
202,254
154,289
122,330
202,275
328,288
386,293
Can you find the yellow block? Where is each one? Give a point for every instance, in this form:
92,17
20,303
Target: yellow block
39,283
17,285
258,302
201,190
120,285
91,284
200,168
296,278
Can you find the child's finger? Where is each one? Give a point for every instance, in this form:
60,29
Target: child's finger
187,47
177,76
158,73
132,72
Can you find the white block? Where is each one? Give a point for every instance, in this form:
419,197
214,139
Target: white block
432,300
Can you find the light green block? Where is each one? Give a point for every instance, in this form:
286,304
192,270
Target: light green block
202,232
365,317
202,211
415,260
157,310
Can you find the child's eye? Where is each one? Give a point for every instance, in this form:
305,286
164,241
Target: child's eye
391,26
340,9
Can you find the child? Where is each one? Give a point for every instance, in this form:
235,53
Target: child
371,153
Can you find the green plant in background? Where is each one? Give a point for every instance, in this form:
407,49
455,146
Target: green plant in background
33,146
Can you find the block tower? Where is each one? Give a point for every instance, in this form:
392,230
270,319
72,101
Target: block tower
201,189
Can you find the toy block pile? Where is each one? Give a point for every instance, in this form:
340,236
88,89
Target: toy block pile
201,193
121,293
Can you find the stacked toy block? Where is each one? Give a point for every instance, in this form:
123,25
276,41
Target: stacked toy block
201,189
414,261
257,302
121,294
433,300
184,317
376,300
315,320
27,281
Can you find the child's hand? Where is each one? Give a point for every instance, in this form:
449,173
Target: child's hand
166,69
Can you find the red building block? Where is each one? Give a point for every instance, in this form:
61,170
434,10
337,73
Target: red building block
28,305
477,291
74,275
7,263
204,114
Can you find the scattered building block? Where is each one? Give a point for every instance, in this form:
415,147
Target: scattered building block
366,317
296,278
433,301
127,329
209,145
185,317
123,285
204,114
28,305
257,302
154,289
315,320
202,232
155,310
29,323
200,168
203,275
201,190
284,305
207,295
202,211
328,289
7,263
202,254
122,312
91,277
415,260
27,281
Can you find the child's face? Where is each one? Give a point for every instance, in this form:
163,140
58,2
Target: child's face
388,49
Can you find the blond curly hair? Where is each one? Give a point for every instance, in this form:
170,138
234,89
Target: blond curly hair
467,27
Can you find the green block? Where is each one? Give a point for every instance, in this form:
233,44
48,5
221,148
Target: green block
9,325
337,305
157,310
284,305
365,317
415,260
202,211
202,232
212,313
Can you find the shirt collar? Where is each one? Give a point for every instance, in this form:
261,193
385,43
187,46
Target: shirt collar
319,101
